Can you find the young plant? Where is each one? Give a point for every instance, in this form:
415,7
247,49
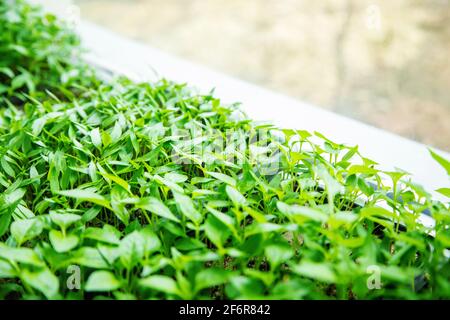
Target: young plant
130,184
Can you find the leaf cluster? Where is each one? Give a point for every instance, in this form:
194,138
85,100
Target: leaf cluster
93,173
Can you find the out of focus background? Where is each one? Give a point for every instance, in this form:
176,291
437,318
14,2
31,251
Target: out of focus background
386,63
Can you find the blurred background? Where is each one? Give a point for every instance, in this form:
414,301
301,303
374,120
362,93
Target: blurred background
386,63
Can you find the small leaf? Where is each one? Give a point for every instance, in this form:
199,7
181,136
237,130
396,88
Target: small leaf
64,220
6,270
402,275
211,277
90,257
5,220
444,191
151,240
12,198
117,180
215,231
223,177
278,254
161,283
225,219
175,177
61,242
26,229
132,249
361,169
186,206
42,280
318,271
38,125
442,161
96,138
116,132
169,184
85,195
236,197
90,214
107,234
301,211
102,281
7,167
157,207
106,139
22,255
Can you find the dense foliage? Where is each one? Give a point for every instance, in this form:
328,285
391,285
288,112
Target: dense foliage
103,175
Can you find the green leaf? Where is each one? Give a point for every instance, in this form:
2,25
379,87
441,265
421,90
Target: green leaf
22,255
117,180
189,244
5,220
116,132
26,229
161,283
302,211
266,277
90,257
176,177
38,125
7,71
332,186
106,139
90,214
225,219
236,197
7,167
377,212
215,232
442,161
319,271
102,281
20,49
211,277
132,249
157,207
444,191
256,228
96,138
85,195
107,234
223,177
351,152
151,240
134,142
61,242
186,206
169,183
6,270
64,220
119,200
262,219
398,274
11,199
42,280
278,254
109,253
246,288
361,169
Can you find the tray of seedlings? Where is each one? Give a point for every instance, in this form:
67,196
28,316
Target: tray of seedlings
122,190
